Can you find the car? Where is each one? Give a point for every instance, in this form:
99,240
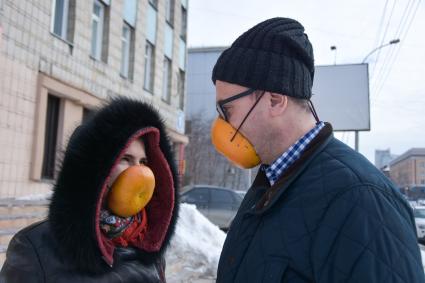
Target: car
218,204
419,213
241,193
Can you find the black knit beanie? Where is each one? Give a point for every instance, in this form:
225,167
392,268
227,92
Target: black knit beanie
275,55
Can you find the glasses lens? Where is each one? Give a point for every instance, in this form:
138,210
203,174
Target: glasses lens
219,106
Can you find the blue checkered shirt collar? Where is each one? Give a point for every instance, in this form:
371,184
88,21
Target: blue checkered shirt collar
278,167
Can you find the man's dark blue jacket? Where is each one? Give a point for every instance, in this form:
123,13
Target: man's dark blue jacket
332,217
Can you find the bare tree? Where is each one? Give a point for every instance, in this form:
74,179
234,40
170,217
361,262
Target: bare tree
204,165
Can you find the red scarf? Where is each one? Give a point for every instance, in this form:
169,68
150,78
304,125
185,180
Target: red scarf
135,232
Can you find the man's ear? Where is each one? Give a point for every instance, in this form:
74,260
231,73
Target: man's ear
278,103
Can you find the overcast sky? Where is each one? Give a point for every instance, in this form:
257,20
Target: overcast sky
397,72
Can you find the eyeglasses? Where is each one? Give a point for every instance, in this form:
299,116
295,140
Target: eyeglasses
222,112
219,106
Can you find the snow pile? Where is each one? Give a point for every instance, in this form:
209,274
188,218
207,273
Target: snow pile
195,248
36,197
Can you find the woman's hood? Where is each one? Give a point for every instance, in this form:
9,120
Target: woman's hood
93,151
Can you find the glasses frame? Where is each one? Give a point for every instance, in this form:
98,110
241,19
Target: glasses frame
219,106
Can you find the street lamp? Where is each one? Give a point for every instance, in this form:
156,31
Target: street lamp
394,41
333,48
391,42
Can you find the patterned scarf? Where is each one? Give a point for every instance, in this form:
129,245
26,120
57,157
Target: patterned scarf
124,231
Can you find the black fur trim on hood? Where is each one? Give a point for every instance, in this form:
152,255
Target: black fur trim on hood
91,155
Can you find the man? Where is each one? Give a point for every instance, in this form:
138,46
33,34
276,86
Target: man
317,211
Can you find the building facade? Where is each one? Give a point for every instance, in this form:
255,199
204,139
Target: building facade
383,158
408,170
200,89
59,59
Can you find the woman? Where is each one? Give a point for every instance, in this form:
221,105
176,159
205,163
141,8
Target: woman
83,240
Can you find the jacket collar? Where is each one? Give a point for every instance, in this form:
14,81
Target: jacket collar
274,192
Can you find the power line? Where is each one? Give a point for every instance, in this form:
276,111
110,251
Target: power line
380,28
384,36
388,56
413,15
378,79
398,32
381,23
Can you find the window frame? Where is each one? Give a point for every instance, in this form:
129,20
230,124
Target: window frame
64,20
169,12
228,200
199,191
167,80
181,88
49,163
154,3
125,57
101,25
183,23
149,67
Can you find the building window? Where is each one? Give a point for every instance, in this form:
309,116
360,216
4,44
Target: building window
168,41
98,20
166,80
183,23
180,88
130,12
50,139
149,66
60,22
154,3
169,11
63,12
151,25
182,54
127,51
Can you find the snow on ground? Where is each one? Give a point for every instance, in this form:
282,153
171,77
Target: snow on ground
195,248
36,197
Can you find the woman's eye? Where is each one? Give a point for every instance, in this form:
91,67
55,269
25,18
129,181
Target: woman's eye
143,161
125,159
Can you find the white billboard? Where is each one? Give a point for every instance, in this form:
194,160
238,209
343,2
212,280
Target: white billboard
341,96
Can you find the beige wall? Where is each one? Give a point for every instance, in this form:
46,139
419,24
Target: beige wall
420,170
409,172
18,86
401,173
34,62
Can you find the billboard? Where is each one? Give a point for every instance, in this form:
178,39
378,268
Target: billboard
341,96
